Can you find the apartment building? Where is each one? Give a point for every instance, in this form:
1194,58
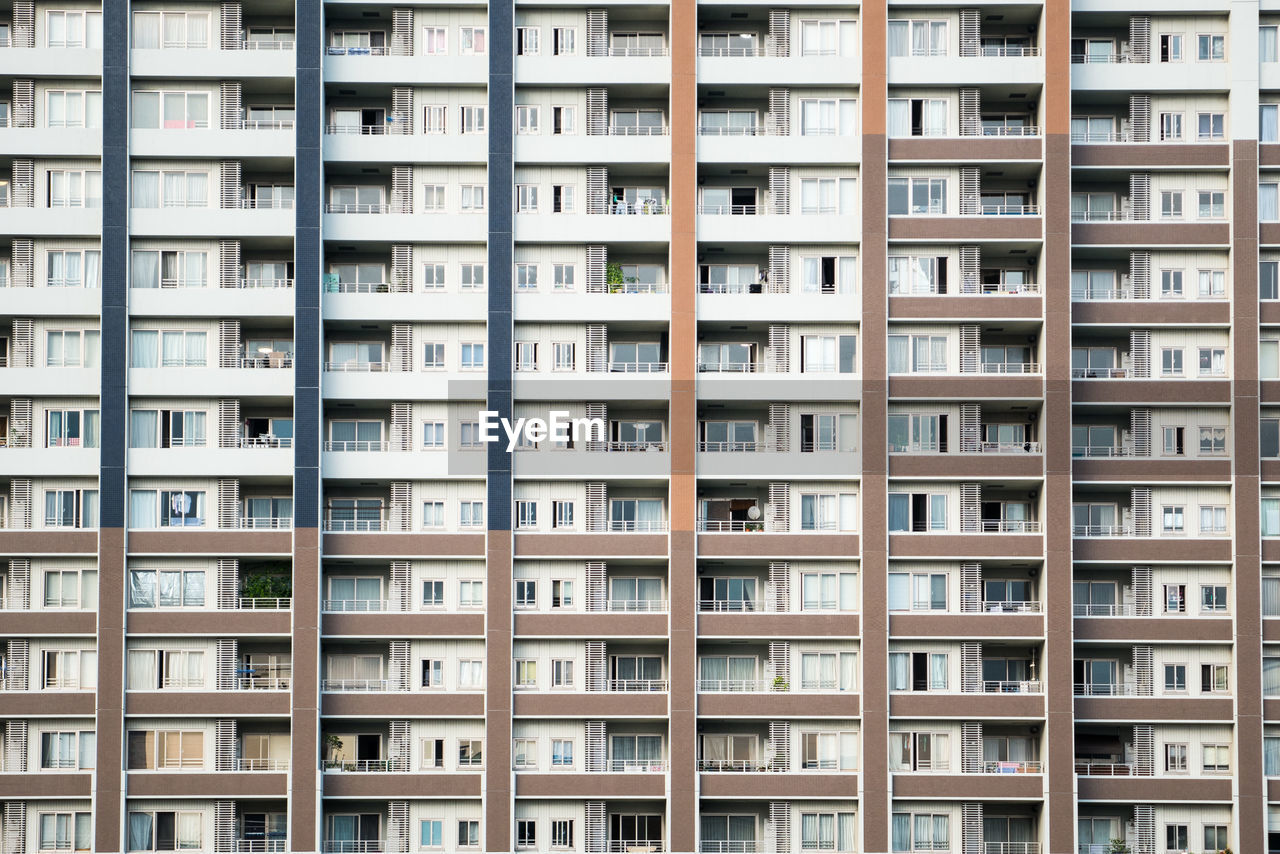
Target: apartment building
933,497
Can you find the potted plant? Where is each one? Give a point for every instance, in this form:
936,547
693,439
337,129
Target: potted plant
1118,846
780,684
274,583
332,744
613,277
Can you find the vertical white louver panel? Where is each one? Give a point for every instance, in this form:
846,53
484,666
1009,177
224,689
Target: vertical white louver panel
597,518
23,176
227,661
597,112
1139,38
971,828
779,348
20,433
398,745
780,818
1143,600
224,826
401,110
230,178
15,827
402,348
780,506
402,189
597,348
970,111
970,667
397,827
595,579
15,746
971,747
24,24
229,26
969,32
19,584
779,120
597,260
780,661
401,594
402,32
779,270
593,653
597,190
1140,431
1143,683
24,103
1140,353
1144,749
970,178
780,742
1140,274
1144,829
970,270
228,344
229,423
970,428
228,502
224,745
779,586
18,658
20,503
1139,118
1140,196
229,263
780,427
231,114
597,830
970,588
1140,508
23,256
779,41
970,501
398,670
596,411
970,348
401,269
779,190
596,753
228,584
23,341
597,32
401,514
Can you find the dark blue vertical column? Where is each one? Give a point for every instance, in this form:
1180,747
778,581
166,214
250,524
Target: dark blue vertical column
108,807
498,552
305,815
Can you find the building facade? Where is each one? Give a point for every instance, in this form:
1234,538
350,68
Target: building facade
936,513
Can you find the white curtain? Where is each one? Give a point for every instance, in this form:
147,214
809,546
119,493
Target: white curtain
935,117
847,837
1270,676
197,29
1271,756
848,117
1268,202
713,669
899,591
188,830
143,512
143,427
146,189
142,670
901,831
1267,44
144,349
175,189
146,31
1268,123
173,350
140,831
1271,596
899,671
937,670
92,268
146,270
197,189
898,38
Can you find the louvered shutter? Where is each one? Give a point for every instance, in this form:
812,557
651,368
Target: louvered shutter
224,825
1142,671
780,427
1139,38
229,263
24,24
780,505
597,32
1139,118
1143,600
780,741
969,193
596,411
229,344
597,831
228,584
780,190
779,348
402,189
779,270
401,427
229,27
224,745
20,503
227,652
970,270
971,828
1140,508
23,174
970,588
15,826
597,512
401,110
596,675
229,423
1140,352
780,818
970,428
779,123
597,190
15,746
970,349
597,260
20,427
398,670
398,745
1140,196
970,112
596,755
402,348
402,32
780,586
597,112
596,599
597,348
970,499
229,185
20,584
1140,274
779,42
780,661
1144,749
401,595
1140,431
23,255
228,502
971,747
232,116
969,32
401,512
1144,828
971,668
24,103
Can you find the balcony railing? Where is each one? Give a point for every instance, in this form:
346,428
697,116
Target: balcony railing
732,210
264,283
266,441
267,204
1089,294
356,605
274,360
380,766
1010,526
1099,58
1011,848
717,766
261,846
339,50
730,447
1006,607
630,447
1006,767
265,682
183,683
736,606
734,686
730,525
636,846
361,686
266,523
1102,216
730,846
1024,686
359,446
1100,451
1093,768
354,525
731,287
1099,373
638,766
641,208
356,208
1101,531
655,526
734,367
267,44
1006,130
1008,368
637,367
1105,689
636,685
636,606
1009,210
1112,610
638,51
754,50
354,846
355,367
644,130
1005,448
264,764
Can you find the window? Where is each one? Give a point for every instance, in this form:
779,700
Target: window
911,354
166,588
1214,678
561,753
470,594
1211,48
1175,598
471,40
67,750
526,280
563,275
828,38
1267,44
561,514
472,276
1212,361
62,831
471,674
469,833
562,673
526,198
1175,758
917,512
1210,204
829,512
1171,48
435,119
433,200
433,514
1175,836
918,671
76,29
471,753
1210,125
71,348
917,591
563,198
1175,677
71,428
472,358
169,189
433,434
1212,284
526,830
921,832
562,593
170,110
469,435
563,121
473,119
1173,519
526,514
169,348
1213,598
1215,837
152,749
434,41
1171,361
528,41
918,117
562,833
1170,127
828,353
1213,441
526,673
825,831
169,269
564,41
528,119
164,831
917,196
562,356
1268,202
67,108
1215,759
1171,204
74,189
166,508
431,833
917,38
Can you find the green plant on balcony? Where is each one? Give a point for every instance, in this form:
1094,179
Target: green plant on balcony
780,684
267,584
1119,846
615,279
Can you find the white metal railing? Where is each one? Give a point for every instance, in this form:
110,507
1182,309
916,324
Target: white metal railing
766,129
261,846
353,367
264,683
731,51
1098,373
1010,526
1099,58
1008,767
264,603
637,367
636,606
267,204
737,765
1006,448
735,686
654,526
737,606
1009,367
1087,294
358,288
734,367
730,846
637,288
266,442
364,686
267,124
354,846
732,210
1011,847
636,685
271,44
636,846
1115,609
1104,689
274,523
182,683
263,764
1010,607
356,208
731,287
359,445
1014,686
1102,216
730,447
1009,51
1101,531
729,525
639,130
1101,451
631,447
264,283
1008,210
359,130
638,51
355,605
339,50
355,525
380,766
1095,768
642,208
638,766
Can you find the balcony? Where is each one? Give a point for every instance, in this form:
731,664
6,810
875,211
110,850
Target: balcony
635,846
266,764
635,686
1091,768
355,846
362,686
1026,686
1106,689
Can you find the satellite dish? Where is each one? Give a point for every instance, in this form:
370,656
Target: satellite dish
753,513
